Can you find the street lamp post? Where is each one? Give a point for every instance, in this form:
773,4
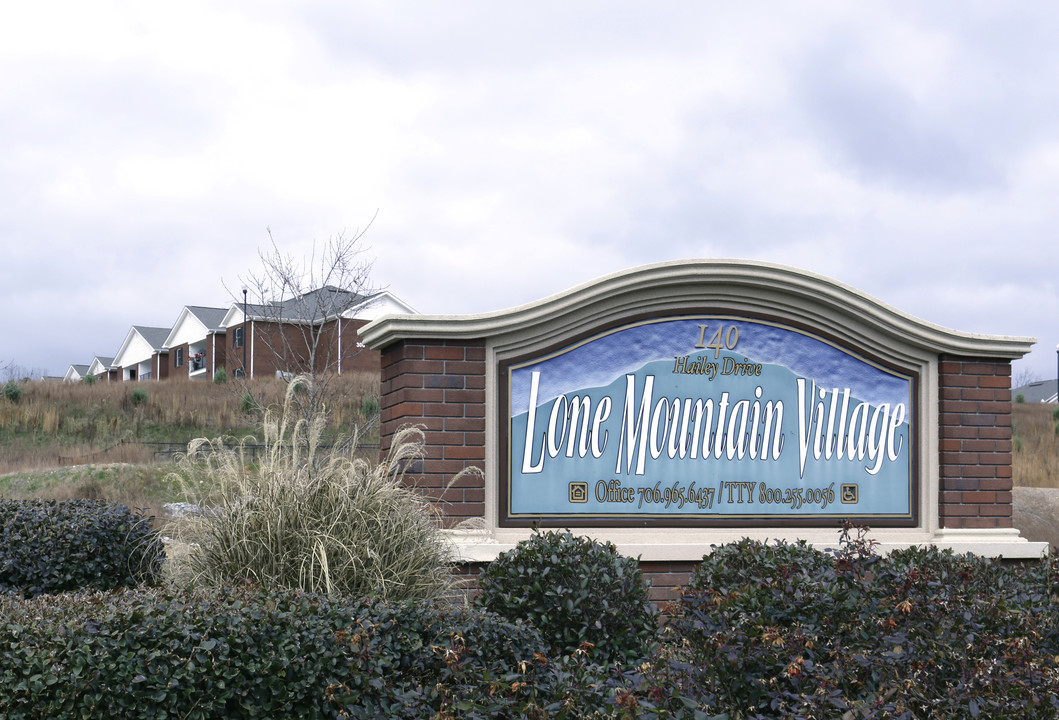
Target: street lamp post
244,332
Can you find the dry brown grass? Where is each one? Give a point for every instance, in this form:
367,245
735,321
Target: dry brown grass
1035,451
60,424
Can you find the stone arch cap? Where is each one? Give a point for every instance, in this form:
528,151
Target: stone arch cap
742,286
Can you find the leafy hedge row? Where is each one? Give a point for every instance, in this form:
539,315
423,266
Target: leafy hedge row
763,631
49,547
154,653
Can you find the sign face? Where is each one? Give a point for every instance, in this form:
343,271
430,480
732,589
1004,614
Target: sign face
706,420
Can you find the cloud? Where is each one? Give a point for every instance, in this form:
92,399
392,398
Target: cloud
513,151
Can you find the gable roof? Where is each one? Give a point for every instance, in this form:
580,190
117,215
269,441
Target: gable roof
154,337
209,318
1037,391
321,304
104,364
381,303
75,372
314,306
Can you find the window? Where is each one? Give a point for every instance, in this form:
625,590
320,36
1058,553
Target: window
179,357
237,338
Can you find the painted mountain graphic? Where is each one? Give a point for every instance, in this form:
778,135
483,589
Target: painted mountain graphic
651,427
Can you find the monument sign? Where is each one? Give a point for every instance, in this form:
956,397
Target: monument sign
675,406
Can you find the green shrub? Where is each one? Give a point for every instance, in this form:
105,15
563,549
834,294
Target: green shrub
89,380
247,405
313,519
1055,414
733,566
1020,398
574,590
750,574
139,396
13,391
369,406
220,376
244,653
49,547
920,634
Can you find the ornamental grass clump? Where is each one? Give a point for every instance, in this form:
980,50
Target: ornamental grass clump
299,516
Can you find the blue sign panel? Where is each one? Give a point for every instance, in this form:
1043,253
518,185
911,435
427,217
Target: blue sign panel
709,418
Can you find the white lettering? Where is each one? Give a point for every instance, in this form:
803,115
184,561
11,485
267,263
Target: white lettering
602,413
528,467
633,437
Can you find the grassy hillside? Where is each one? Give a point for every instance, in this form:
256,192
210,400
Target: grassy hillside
59,424
109,440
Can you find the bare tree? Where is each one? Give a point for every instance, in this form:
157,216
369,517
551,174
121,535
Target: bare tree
11,372
1024,376
301,307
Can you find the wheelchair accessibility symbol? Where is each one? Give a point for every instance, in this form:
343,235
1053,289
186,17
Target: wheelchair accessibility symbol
849,494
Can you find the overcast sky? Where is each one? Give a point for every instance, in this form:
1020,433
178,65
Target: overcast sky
509,151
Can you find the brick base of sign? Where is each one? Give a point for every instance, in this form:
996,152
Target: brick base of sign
974,418
666,580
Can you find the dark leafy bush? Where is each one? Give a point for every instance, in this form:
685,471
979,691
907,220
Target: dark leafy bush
922,633
734,565
751,574
245,653
49,547
575,591
139,396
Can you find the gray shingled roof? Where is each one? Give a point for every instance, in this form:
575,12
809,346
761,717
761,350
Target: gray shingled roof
155,336
1038,391
211,317
325,302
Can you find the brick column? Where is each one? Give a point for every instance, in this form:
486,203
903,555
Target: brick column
439,385
974,425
